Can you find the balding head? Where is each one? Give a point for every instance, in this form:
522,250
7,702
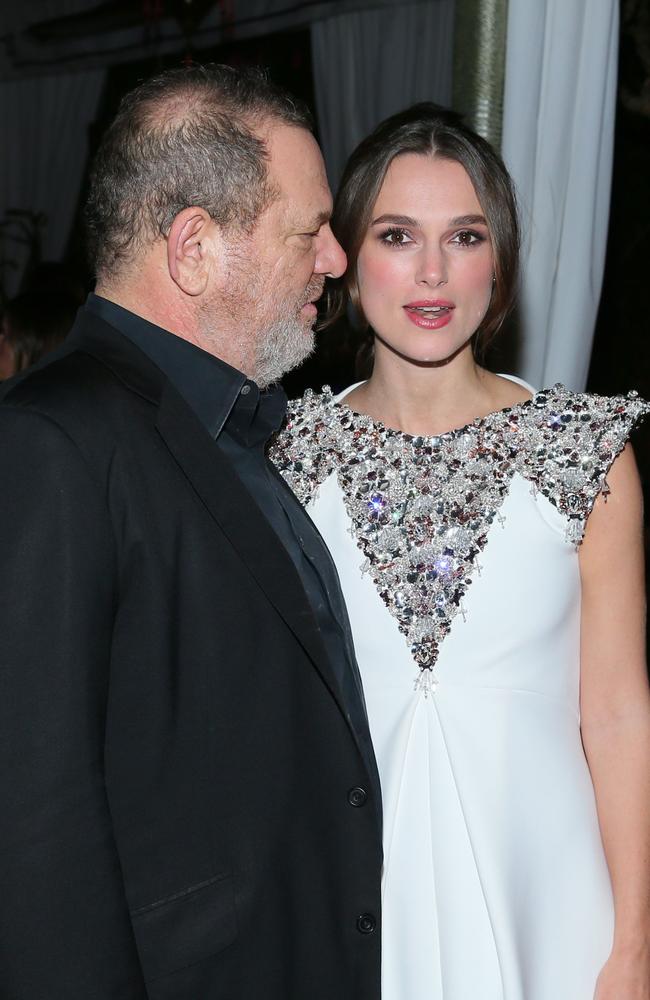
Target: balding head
188,137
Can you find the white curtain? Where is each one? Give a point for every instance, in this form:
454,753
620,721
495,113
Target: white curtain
44,125
370,64
558,127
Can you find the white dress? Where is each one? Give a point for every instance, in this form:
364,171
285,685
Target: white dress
457,557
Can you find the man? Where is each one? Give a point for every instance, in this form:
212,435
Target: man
190,808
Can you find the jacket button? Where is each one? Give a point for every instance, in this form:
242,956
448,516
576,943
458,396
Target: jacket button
366,923
357,797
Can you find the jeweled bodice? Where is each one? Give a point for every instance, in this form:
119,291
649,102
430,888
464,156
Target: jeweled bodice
421,508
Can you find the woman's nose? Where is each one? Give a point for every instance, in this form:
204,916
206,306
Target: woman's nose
432,268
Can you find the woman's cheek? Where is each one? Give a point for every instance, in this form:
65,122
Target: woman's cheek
482,294
378,276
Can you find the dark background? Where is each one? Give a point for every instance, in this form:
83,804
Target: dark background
620,358
621,351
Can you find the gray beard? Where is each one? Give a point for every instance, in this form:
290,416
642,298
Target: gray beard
285,345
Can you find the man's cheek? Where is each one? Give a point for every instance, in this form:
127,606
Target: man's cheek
282,265
292,263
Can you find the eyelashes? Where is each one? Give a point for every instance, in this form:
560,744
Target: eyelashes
396,236
468,238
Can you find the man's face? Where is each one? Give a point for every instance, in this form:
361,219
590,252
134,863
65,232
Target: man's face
275,274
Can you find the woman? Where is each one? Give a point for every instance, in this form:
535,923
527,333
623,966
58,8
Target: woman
496,599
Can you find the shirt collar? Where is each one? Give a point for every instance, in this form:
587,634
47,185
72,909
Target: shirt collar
219,394
256,415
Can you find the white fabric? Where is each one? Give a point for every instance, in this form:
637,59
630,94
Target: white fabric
44,124
558,128
370,64
495,884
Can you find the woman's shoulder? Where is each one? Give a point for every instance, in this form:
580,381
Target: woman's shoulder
586,416
309,405
322,400
510,389
305,448
309,421
568,442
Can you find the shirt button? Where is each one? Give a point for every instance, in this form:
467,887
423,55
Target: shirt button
357,797
366,923
245,389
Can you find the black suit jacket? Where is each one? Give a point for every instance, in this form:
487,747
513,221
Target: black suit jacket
180,814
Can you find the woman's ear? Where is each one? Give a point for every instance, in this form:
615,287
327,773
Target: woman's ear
189,248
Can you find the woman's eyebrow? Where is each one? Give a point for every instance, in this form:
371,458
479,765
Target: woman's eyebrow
407,220
468,220
396,220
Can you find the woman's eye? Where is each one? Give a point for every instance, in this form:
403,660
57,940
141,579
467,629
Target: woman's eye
395,237
468,238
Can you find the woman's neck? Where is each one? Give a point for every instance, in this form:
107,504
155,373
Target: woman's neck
433,399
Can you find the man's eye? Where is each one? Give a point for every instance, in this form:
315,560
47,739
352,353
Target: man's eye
395,237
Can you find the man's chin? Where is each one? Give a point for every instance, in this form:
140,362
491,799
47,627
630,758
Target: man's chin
309,347
288,354
297,357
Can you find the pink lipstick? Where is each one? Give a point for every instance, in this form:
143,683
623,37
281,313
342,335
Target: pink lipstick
430,314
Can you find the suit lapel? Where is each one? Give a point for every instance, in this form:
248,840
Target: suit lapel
233,508
222,492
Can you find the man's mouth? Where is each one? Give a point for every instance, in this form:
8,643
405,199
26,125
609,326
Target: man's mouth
314,294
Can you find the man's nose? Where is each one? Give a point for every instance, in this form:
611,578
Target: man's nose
330,260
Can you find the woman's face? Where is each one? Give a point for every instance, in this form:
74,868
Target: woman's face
425,267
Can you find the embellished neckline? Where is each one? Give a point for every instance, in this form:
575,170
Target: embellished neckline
421,508
371,423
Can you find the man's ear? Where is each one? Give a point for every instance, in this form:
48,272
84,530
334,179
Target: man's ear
188,249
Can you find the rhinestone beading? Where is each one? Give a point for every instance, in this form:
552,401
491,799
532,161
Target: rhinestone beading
421,508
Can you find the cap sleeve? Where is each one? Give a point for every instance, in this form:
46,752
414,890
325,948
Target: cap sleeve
572,441
302,450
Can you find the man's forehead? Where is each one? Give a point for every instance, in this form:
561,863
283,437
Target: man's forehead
302,215
297,173
294,155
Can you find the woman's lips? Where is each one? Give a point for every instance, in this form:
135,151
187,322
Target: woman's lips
430,315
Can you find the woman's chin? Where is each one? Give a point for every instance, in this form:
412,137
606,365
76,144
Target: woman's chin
429,356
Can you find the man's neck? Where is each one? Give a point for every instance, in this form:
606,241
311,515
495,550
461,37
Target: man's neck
152,306
177,316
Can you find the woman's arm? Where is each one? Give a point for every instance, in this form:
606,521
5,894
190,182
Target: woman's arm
615,718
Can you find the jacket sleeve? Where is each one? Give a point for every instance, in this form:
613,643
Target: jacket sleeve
65,931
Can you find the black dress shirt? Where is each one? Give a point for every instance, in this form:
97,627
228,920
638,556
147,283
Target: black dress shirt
241,419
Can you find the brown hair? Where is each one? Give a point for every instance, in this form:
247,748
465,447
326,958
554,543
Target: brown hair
431,131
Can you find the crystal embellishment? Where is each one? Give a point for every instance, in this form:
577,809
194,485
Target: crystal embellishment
421,508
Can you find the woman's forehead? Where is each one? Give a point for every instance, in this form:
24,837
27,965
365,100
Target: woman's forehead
418,183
